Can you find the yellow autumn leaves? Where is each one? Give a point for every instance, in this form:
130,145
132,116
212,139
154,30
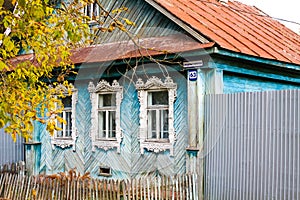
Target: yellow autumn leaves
47,33
27,83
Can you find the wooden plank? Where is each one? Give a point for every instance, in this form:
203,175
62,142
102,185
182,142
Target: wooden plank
139,189
145,188
129,189
194,186
132,186
27,190
2,178
97,191
110,188
13,187
156,187
190,187
16,186
124,190
9,185
90,190
23,188
118,189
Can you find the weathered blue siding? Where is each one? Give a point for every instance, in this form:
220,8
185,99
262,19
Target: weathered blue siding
249,76
130,162
236,83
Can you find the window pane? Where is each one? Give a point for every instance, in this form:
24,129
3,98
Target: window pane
164,124
152,124
158,98
158,124
106,100
101,124
67,102
66,115
60,125
69,124
112,124
91,10
107,124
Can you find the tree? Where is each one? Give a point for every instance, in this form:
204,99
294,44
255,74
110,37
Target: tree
48,33
48,30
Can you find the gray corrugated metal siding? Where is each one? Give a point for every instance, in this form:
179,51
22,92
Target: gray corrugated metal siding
10,151
252,145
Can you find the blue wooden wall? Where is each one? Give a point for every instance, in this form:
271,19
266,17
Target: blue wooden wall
238,83
130,162
240,75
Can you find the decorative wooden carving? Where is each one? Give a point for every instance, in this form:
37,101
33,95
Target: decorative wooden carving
68,141
156,84
104,87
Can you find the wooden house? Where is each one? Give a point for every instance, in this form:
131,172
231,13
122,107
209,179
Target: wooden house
137,106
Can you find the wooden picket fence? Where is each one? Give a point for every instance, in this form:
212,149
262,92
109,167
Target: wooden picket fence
15,186
13,168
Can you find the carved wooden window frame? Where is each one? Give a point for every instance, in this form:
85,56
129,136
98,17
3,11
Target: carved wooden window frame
156,84
65,142
103,87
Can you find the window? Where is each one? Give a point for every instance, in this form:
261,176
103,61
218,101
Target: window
105,171
91,10
105,115
66,129
66,137
157,109
157,114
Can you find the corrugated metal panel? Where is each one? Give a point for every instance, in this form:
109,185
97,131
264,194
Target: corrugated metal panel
252,145
10,151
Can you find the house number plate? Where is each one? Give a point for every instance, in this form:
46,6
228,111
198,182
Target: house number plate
193,74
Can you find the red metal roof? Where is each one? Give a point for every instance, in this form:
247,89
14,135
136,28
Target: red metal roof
143,47
127,49
238,27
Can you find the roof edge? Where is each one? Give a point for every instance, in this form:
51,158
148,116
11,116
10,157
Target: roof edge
277,63
179,22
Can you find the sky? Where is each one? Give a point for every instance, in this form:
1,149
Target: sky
283,9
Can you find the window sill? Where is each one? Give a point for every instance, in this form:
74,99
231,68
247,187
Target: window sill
157,146
106,139
157,140
104,174
63,138
63,143
106,144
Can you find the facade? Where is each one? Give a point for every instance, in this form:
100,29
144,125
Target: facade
137,108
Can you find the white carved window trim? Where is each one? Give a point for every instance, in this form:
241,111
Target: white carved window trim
156,84
65,142
103,87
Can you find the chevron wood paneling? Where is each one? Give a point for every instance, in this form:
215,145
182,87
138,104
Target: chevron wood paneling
180,125
83,143
130,163
46,161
